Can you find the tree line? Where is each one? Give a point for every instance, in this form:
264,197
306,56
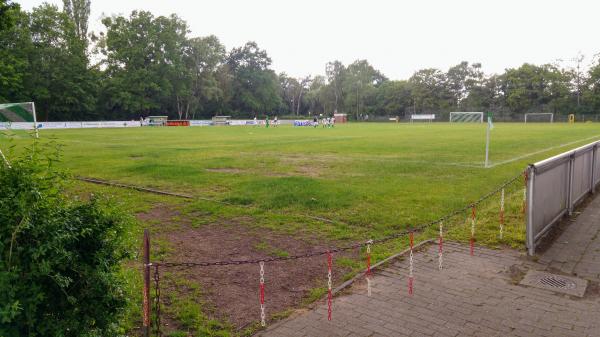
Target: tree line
145,65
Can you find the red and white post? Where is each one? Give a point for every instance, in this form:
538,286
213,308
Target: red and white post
410,265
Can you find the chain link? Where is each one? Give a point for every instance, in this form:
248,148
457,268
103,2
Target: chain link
329,283
262,293
440,248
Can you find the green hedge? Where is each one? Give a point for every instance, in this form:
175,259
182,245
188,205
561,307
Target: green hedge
59,257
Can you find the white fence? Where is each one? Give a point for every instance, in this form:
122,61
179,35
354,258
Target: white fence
556,185
119,124
428,117
68,125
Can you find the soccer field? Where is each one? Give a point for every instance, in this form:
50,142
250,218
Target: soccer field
371,176
285,191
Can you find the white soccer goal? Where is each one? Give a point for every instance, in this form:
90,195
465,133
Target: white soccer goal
539,117
18,116
466,117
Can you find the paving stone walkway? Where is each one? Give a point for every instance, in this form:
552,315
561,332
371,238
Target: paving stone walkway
472,296
577,250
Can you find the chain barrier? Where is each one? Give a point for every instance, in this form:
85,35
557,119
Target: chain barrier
502,214
368,273
410,265
400,234
472,242
441,247
157,299
329,284
262,293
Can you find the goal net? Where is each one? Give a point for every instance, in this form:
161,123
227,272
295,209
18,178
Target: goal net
539,117
466,117
18,116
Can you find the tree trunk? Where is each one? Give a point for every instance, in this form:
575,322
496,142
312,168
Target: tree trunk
179,112
298,104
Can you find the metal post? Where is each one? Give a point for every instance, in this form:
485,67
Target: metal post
592,183
487,144
146,290
37,134
570,185
529,225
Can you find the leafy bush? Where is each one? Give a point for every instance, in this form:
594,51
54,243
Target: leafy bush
59,256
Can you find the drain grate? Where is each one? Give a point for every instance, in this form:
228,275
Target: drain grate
557,282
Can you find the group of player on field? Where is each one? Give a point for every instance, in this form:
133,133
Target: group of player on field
325,122
274,122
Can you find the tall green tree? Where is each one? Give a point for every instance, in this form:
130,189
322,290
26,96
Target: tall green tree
45,62
146,69
393,98
360,82
335,72
8,9
532,88
255,86
15,45
462,79
429,90
59,80
204,58
79,12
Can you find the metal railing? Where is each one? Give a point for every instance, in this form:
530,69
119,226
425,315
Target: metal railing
556,185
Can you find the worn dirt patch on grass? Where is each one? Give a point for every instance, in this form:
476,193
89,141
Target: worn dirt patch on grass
232,292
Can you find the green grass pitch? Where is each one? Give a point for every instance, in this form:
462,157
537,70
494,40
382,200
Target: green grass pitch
375,177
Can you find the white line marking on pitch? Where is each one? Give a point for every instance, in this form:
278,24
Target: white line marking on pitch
540,151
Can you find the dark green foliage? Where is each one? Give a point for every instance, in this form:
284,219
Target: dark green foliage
58,258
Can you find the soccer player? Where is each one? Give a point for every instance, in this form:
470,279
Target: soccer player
267,122
275,122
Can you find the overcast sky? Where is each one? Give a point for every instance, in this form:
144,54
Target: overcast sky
397,37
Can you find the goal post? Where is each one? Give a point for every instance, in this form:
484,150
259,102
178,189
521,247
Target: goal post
18,116
466,117
539,117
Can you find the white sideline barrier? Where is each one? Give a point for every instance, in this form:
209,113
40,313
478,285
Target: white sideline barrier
118,124
424,117
240,122
556,185
69,125
200,123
